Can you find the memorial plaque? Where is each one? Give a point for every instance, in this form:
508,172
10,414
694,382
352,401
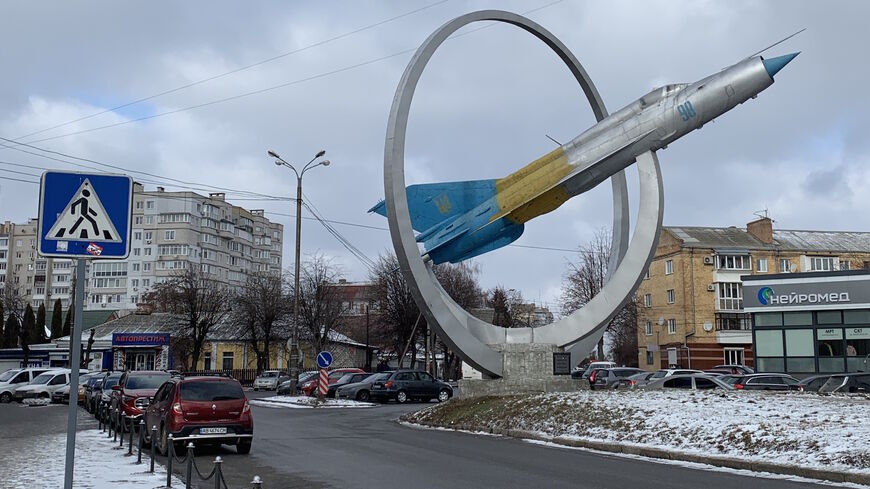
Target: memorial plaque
561,363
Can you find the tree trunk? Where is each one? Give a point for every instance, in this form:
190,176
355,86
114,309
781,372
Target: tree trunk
601,349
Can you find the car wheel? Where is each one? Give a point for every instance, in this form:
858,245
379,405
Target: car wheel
401,397
243,447
256,389
6,397
443,395
362,396
45,395
162,441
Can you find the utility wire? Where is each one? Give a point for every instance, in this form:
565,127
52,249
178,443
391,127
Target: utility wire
262,90
236,70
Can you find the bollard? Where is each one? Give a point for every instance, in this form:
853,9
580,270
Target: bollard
188,457
217,472
170,452
100,420
256,483
130,439
120,429
153,442
139,442
113,430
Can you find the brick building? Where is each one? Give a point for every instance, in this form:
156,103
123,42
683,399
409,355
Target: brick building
690,310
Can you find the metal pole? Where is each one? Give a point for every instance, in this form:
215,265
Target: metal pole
294,360
368,352
139,442
218,475
153,442
170,451
189,458
75,343
256,483
130,439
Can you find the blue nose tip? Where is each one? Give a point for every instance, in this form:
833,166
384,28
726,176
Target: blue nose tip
773,65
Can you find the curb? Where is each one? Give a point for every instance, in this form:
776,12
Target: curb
659,453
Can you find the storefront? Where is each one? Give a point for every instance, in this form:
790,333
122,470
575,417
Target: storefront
141,351
806,323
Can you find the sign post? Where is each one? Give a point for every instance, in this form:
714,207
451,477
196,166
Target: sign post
82,216
324,360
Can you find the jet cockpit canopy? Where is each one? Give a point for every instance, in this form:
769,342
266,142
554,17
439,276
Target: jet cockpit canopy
659,93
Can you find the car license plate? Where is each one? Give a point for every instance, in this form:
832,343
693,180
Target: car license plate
212,431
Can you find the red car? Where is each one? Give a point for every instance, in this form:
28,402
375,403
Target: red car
205,410
133,393
310,388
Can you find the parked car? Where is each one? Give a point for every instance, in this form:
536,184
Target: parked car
847,383
309,388
611,378
730,379
105,399
584,374
736,369
92,391
697,381
404,385
815,382
43,386
344,380
284,387
133,394
207,409
269,380
660,374
361,391
768,382
61,395
15,378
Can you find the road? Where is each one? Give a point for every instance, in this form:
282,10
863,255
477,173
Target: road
362,448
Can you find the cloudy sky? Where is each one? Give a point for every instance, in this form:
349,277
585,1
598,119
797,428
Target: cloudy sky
482,109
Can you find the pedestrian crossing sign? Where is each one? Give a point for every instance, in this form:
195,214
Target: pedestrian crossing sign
85,215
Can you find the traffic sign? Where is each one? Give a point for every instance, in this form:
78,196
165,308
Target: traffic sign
85,215
324,359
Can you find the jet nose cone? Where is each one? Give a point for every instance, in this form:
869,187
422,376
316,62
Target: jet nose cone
773,65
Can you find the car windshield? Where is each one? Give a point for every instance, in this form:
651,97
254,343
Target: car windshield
211,391
346,379
42,379
307,377
110,381
730,379
659,374
151,381
833,383
8,375
268,374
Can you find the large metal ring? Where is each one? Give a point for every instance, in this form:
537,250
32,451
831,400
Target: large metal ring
465,334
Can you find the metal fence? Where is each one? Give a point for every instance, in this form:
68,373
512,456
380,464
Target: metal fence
245,376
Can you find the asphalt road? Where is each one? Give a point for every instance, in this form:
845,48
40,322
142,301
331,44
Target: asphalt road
361,448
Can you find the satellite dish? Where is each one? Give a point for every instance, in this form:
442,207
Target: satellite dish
708,326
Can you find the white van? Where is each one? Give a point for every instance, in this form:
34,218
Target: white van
43,385
15,378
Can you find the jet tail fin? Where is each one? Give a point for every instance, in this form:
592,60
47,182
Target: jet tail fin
434,203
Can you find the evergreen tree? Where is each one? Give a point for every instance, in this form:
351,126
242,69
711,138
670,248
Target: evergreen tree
10,333
56,321
28,333
67,323
40,322
2,322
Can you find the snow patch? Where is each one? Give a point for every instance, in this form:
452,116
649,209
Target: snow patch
307,402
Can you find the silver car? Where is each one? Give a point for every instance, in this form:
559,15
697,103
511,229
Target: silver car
687,381
269,380
360,391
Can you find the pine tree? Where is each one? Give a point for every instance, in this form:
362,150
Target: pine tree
67,323
10,333
56,321
2,322
40,322
28,333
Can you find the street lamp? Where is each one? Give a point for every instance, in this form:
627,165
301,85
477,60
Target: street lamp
294,360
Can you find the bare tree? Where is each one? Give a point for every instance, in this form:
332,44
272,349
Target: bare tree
197,302
260,310
461,284
584,280
398,311
320,304
13,300
506,307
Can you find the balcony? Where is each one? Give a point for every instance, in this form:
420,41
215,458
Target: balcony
733,328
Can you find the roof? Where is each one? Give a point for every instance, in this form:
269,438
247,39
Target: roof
783,239
92,319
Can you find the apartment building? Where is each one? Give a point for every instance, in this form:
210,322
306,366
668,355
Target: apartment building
691,313
172,231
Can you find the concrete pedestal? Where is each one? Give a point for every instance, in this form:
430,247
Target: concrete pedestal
528,368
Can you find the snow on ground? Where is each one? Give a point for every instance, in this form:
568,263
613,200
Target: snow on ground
826,432
99,464
307,402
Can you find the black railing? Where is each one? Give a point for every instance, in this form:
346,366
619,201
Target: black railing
245,376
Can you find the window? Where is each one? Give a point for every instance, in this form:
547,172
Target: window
761,265
227,360
149,219
137,220
149,204
733,262
670,294
650,357
734,356
732,321
116,269
146,267
844,264
646,275
672,326
669,267
169,235
136,267
137,235
139,204
867,265
647,300
730,296
647,328
206,361
821,263
134,282
146,282
137,252
147,251
148,235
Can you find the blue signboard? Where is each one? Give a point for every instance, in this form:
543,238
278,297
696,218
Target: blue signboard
85,215
140,339
324,359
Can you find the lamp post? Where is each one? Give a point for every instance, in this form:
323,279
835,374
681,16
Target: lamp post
294,360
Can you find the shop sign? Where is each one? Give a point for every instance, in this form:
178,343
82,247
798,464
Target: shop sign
829,333
858,333
140,339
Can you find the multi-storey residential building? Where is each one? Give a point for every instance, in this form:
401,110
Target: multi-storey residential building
690,304
171,231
